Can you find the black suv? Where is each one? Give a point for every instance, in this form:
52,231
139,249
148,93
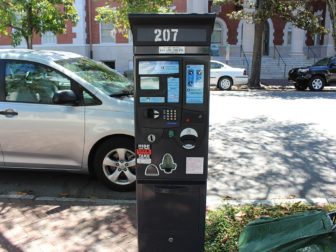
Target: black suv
321,74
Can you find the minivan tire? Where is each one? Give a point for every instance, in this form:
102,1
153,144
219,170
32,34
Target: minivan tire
114,163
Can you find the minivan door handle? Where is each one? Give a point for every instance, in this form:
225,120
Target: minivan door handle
9,112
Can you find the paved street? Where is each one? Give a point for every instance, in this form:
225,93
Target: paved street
275,144
263,145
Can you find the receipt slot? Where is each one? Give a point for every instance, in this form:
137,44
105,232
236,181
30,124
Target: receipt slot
171,73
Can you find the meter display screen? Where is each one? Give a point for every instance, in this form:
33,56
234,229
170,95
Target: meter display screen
159,67
195,84
150,83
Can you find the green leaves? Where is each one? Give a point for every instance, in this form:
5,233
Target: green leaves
27,17
297,12
119,16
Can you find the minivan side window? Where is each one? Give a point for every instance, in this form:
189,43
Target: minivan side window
33,83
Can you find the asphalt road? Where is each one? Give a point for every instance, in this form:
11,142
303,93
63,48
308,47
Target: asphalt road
263,145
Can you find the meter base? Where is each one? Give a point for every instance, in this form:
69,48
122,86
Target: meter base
171,216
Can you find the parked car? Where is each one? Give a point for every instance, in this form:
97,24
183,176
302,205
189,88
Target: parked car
224,76
62,111
321,74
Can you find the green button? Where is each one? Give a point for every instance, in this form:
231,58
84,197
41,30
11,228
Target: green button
171,133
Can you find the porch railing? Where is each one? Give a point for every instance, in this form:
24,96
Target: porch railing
276,52
245,60
310,49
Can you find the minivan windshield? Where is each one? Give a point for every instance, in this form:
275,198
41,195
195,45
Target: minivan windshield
99,75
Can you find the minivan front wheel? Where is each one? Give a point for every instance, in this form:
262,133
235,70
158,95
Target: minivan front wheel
114,164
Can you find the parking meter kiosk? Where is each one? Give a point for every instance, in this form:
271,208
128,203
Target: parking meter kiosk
171,73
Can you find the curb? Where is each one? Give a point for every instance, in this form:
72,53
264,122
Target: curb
12,198
212,202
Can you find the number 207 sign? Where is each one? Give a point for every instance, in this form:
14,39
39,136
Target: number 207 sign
165,35
171,35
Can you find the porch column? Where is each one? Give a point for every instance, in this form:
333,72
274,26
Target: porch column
197,6
298,41
248,37
328,39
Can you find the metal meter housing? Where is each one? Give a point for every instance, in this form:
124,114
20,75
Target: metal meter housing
171,74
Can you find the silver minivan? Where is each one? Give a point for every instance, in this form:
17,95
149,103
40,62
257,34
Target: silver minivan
63,111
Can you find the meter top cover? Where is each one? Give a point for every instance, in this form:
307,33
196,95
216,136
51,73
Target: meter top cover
172,29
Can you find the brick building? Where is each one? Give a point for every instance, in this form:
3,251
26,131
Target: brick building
101,42
289,40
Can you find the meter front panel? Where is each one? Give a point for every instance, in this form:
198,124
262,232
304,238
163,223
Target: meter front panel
171,121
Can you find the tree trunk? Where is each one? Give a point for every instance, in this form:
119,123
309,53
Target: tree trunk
332,10
29,41
254,81
29,37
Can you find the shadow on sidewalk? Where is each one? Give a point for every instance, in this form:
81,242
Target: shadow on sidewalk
262,158
69,227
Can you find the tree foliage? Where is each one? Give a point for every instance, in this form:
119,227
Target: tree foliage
119,15
27,17
298,12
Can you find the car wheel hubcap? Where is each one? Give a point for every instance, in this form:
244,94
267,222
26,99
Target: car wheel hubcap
225,84
317,83
119,166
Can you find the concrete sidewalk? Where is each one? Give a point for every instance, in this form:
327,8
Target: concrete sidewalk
64,226
69,224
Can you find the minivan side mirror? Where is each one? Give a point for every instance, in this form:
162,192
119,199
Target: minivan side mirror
65,97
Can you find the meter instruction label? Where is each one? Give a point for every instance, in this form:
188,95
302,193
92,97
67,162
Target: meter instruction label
173,89
195,84
171,50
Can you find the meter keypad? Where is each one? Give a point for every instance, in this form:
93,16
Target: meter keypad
169,114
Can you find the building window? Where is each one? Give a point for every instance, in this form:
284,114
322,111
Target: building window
49,38
216,37
107,33
289,34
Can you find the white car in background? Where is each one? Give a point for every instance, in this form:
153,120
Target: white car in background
224,76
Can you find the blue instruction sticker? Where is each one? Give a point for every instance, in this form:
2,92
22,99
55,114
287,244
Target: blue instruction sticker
195,84
173,87
159,67
152,99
